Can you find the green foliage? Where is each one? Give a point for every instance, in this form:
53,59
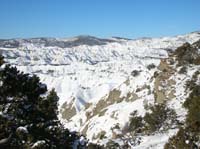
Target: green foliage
197,44
193,116
182,140
197,61
136,123
156,74
151,66
189,136
1,60
94,146
50,103
135,73
191,84
160,116
29,114
192,103
183,70
112,145
187,54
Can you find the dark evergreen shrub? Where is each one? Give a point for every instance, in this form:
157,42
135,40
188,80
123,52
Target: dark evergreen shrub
189,136
135,73
183,70
156,74
160,116
187,54
136,123
192,103
151,66
112,145
197,44
182,140
94,146
1,60
28,113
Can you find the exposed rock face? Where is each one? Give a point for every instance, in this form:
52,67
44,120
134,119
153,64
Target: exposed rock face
163,86
68,110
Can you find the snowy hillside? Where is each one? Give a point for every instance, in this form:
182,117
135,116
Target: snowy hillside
100,82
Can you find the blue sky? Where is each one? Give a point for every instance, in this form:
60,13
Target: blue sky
102,18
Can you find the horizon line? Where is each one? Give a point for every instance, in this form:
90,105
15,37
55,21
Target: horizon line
113,36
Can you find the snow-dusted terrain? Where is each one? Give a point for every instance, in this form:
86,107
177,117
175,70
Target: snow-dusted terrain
100,82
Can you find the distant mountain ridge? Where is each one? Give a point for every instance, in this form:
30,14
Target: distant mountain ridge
65,42
55,42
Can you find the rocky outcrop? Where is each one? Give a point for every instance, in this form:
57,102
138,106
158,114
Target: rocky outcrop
163,85
68,110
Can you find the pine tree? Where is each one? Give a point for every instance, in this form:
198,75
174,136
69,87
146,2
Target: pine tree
160,116
1,60
29,120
